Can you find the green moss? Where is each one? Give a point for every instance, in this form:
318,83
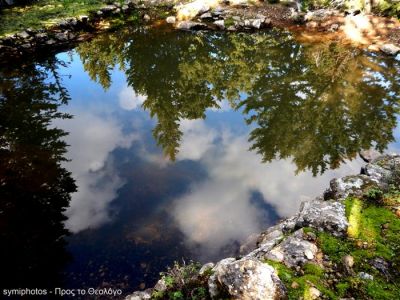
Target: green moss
353,214
313,269
229,22
44,13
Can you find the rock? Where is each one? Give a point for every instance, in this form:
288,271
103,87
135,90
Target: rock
146,18
348,263
206,16
256,23
160,286
247,279
189,25
293,251
369,155
61,36
220,24
205,268
170,20
313,293
23,35
382,169
390,49
381,265
50,42
250,244
365,276
295,285
190,10
108,9
323,216
142,295
354,185
320,14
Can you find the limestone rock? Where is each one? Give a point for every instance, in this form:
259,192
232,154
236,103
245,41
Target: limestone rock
142,295
390,49
293,251
354,185
247,279
206,267
220,24
189,25
382,168
170,20
323,216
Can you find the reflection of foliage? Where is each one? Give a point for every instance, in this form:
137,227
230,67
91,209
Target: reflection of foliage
319,104
34,188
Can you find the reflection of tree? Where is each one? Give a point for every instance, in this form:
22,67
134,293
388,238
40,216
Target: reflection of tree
34,188
318,104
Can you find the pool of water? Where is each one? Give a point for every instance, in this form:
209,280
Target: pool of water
147,146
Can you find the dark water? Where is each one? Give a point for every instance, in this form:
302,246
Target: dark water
150,146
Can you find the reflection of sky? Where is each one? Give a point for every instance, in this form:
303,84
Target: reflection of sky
212,209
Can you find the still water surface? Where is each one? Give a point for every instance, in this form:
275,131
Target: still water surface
174,145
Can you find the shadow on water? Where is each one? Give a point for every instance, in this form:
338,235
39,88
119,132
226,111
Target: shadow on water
34,188
318,104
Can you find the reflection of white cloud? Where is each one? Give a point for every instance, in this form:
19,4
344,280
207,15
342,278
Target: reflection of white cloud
92,139
129,100
197,139
219,210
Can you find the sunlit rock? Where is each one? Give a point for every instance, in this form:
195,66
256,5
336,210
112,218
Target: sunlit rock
323,216
245,279
354,185
383,168
293,251
189,25
390,49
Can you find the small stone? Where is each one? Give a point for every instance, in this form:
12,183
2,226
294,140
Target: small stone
390,49
142,286
314,293
206,16
220,24
295,285
348,263
170,20
205,268
146,17
256,23
365,276
24,34
308,253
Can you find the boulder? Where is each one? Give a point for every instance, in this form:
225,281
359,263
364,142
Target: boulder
354,185
323,216
390,49
220,24
383,168
189,25
246,279
293,251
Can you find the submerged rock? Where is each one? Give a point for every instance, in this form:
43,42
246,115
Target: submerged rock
142,295
247,279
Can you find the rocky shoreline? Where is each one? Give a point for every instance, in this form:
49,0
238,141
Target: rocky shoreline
237,15
68,32
295,245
